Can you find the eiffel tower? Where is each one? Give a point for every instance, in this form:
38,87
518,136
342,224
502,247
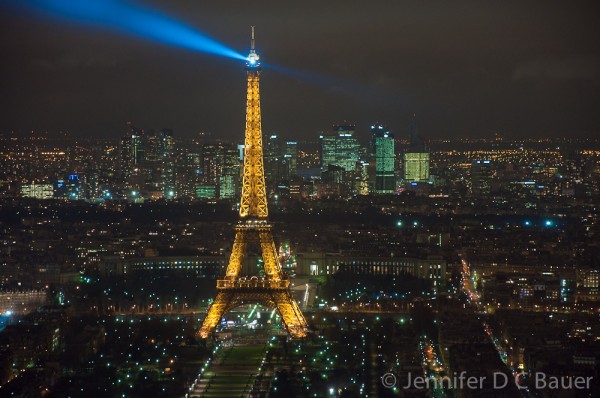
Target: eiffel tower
253,227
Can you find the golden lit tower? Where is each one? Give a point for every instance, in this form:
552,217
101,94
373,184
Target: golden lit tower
253,228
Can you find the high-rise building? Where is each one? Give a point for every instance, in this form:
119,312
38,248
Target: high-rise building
131,154
150,172
189,173
281,160
416,167
340,148
137,146
375,129
126,154
221,165
152,148
289,160
272,161
213,161
70,188
362,179
385,181
481,176
168,163
229,181
416,158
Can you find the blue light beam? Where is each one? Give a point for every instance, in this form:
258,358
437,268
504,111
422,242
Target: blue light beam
366,92
130,18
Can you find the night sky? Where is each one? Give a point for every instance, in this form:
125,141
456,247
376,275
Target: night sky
466,68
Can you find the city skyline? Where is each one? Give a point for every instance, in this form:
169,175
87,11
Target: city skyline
466,70
485,254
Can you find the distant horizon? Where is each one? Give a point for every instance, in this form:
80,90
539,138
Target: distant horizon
360,132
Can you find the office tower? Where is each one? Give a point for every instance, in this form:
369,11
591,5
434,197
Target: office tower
125,155
281,160
137,146
151,168
272,162
168,163
416,158
374,131
131,154
481,176
189,173
416,167
152,149
333,182
289,160
229,180
73,189
385,181
340,147
362,179
221,169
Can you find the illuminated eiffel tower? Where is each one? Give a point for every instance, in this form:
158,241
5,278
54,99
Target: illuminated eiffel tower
253,228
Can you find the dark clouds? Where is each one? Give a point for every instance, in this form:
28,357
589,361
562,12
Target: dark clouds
465,67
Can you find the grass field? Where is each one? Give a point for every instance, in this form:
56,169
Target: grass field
235,374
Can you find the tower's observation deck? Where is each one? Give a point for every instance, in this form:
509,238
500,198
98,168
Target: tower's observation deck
253,228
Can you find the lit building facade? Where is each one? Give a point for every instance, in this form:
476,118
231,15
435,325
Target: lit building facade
220,169
168,163
481,176
432,268
416,167
281,160
385,181
340,148
37,191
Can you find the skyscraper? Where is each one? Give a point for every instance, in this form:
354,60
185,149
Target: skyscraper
137,146
416,167
189,173
340,148
272,154
221,169
151,168
168,163
131,152
289,162
281,160
125,159
374,130
481,176
383,144
416,157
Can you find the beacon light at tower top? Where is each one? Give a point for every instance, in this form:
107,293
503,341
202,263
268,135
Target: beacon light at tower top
253,60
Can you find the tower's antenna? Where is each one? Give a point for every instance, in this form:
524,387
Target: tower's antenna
252,41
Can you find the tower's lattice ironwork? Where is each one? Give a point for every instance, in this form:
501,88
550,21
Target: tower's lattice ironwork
253,228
